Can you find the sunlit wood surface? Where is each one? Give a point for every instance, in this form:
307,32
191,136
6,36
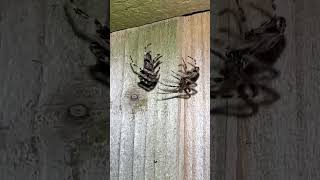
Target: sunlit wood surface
165,139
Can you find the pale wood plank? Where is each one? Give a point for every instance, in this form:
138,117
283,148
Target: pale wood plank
156,142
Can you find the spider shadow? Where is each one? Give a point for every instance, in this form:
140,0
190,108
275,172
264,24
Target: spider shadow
247,107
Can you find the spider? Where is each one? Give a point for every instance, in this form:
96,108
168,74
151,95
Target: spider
187,82
248,65
266,39
149,75
98,38
101,69
242,77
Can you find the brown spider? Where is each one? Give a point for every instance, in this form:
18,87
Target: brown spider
99,39
187,82
266,38
149,75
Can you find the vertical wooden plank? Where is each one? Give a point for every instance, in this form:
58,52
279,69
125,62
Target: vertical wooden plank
222,128
266,151
280,142
20,43
44,74
150,134
195,35
142,124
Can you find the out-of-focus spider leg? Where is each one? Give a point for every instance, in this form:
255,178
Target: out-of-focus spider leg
229,32
263,67
235,16
218,54
219,43
262,11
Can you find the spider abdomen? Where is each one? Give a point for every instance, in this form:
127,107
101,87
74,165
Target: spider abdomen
149,75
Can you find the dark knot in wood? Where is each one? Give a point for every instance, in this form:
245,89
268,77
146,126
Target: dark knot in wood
78,111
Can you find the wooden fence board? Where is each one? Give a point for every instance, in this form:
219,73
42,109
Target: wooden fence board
44,72
160,139
280,141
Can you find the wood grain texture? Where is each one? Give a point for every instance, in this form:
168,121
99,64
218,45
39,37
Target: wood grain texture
134,13
153,139
281,141
43,73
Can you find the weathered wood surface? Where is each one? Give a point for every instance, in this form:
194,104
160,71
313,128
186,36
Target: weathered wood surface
43,73
281,142
134,13
165,139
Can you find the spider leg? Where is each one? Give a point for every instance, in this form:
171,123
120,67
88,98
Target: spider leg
231,33
157,72
168,85
133,70
165,92
194,91
181,75
81,13
191,83
228,10
176,77
148,78
182,96
140,74
194,60
157,64
150,72
187,95
134,64
146,47
156,59
168,91
262,67
235,16
270,42
184,65
219,43
262,11
174,82
218,54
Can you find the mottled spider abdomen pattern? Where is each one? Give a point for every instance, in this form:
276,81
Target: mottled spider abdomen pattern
149,74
